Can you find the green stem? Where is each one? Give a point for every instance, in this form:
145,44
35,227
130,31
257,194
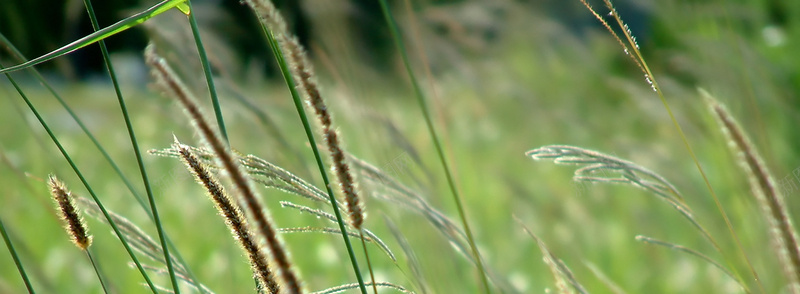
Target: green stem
14,256
212,89
156,218
435,138
77,171
100,148
322,170
97,271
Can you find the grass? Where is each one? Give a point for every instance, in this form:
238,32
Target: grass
479,111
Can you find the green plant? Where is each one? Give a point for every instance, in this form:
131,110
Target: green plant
479,240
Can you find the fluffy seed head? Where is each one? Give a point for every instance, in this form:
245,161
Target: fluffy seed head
75,226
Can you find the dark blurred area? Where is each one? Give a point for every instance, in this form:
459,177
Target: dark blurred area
36,27
40,26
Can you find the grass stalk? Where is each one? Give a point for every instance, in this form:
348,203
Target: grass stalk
435,138
234,219
290,83
651,80
15,257
75,225
212,88
366,257
135,145
783,234
168,81
88,187
96,268
145,206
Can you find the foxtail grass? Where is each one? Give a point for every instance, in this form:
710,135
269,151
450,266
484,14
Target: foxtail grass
74,224
233,218
83,180
783,234
168,82
297,73
146,206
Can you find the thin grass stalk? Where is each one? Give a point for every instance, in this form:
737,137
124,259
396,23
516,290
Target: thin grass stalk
612,286
317,156
144,244
684,249
368,235
300,75
782,232
412,262
234,219
96,268
169,82
135,145
656,88
435,138
83,180
561,273
302,69
15,257
18,55
212,88
145,206
342,288
366,256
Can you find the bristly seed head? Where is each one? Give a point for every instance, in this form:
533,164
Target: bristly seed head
75,226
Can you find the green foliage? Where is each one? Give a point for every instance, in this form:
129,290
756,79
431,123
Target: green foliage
537,82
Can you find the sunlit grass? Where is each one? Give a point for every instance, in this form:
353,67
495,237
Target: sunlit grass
537,84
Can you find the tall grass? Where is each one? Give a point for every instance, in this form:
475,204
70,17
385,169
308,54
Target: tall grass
487,213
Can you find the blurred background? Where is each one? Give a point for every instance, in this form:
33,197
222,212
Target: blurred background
502,77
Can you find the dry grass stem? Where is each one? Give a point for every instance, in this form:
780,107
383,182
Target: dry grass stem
75,225
233,218
303,73
564,279
783,234
167,80
342,288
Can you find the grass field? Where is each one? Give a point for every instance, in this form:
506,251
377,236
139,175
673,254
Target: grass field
536,81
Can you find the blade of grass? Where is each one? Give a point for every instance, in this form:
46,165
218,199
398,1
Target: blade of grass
18,55
96,267
14,256
642,64
212,89
83,180
695,253
106,32
135,145
317,156
435,138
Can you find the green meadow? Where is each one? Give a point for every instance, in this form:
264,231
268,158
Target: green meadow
672,166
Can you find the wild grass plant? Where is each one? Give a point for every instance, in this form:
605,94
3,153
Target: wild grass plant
435,188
